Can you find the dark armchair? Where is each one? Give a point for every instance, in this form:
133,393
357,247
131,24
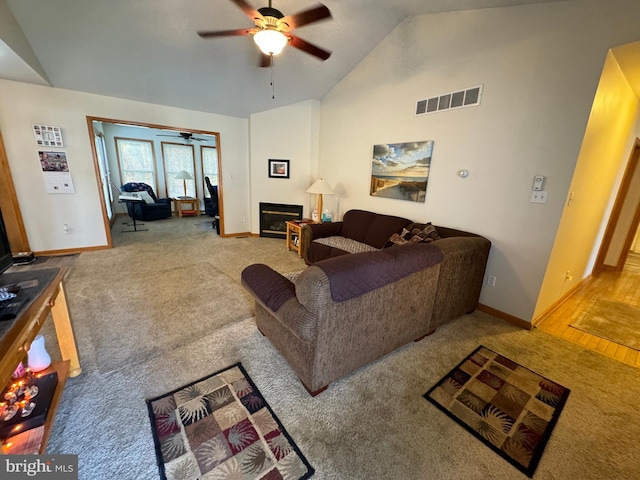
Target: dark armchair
161,208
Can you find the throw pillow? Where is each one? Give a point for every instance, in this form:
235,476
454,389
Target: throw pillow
429,233
426,235
145,196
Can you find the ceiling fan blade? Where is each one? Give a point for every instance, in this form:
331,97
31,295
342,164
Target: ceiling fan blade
309,48
265,60
251,12
226,33
312,15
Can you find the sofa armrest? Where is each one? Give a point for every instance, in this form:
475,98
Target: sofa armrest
461,276
267,286
164,201
313,231
320,230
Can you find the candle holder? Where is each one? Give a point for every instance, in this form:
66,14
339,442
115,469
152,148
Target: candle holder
25,402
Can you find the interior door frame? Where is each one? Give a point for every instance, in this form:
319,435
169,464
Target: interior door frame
621,198
10,207
106,221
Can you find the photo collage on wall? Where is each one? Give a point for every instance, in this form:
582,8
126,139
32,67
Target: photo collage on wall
54,164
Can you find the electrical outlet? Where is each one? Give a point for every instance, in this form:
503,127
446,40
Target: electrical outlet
491,281
538,196
67,229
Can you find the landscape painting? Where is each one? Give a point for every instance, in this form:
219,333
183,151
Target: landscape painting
401,170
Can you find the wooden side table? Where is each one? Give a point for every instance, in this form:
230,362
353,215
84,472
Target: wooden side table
294,235
16,337
194,203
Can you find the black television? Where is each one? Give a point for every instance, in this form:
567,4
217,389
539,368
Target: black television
6,259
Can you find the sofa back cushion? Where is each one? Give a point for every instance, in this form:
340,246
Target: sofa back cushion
353,275
371,228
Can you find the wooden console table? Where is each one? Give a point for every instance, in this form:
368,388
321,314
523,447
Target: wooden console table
46,291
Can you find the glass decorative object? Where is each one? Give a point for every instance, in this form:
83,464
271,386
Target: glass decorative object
38,359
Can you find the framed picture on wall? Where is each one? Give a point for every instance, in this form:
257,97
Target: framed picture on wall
401,170
278,168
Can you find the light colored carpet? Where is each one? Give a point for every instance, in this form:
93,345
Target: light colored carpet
150,313
373,424
615,321
206,225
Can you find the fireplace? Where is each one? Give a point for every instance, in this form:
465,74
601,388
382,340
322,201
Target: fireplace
273,218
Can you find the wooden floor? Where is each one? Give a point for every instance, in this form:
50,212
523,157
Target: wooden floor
620,286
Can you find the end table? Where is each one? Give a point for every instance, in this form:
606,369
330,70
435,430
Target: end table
194,203
294,235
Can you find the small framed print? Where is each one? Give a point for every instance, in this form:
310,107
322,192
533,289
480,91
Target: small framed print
48,136
278,168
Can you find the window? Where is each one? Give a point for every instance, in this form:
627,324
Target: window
209,166
178,158
136,161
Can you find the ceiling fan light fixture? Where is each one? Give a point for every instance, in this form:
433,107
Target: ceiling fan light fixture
270,41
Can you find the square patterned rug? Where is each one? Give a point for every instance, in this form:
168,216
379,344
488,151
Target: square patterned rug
221,427
505,405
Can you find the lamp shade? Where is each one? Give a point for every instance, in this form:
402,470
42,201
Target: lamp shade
320,186
270,41
183,175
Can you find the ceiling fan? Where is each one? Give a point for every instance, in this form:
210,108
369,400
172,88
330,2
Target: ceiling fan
272,30
187,136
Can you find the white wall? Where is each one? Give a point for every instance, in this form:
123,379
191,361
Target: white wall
22,105
287,133
540,66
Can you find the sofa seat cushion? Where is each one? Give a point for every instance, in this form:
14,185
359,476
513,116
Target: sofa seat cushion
346,244
353,275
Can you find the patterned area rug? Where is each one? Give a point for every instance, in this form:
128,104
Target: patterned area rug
507,406
220,427
615,321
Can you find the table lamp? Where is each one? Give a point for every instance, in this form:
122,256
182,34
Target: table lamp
321,188
184,176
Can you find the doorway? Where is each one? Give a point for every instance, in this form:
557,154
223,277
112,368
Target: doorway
623,223
106,164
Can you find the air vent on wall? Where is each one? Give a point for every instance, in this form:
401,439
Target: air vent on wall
449,101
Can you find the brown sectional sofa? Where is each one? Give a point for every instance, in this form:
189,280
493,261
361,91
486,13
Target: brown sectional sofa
349,309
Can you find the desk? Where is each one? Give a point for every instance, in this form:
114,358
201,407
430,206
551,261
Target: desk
47,295
194,203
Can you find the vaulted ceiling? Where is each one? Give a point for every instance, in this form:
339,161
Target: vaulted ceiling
148,50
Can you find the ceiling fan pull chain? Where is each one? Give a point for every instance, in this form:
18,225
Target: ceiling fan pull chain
273,80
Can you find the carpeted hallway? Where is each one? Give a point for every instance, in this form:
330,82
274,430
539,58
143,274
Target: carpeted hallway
165,307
